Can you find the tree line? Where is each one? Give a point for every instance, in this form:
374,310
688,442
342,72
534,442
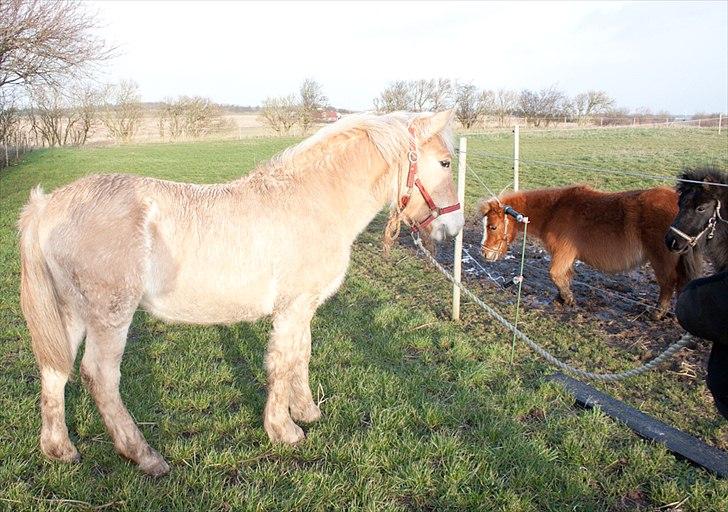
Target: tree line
472,105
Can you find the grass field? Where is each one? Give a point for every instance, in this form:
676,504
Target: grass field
419,413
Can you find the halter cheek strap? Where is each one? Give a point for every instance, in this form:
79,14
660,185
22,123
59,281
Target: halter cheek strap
414,181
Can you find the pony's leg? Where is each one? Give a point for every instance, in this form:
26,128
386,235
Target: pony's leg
561,271
285,354
100,369
54,440
664,265
302,405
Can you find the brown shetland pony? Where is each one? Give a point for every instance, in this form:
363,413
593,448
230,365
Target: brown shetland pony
611,232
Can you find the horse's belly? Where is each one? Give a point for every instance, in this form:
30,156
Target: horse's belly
614,262
212,301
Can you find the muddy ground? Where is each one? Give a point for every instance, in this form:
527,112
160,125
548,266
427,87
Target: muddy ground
619,304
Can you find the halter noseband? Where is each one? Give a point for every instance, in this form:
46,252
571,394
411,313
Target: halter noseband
414,181
710,228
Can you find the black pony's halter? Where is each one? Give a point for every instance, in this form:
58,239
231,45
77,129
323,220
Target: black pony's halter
710,228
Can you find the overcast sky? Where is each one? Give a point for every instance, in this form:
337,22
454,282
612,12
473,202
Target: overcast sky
662,55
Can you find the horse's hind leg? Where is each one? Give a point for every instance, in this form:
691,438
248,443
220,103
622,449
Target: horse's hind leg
664,265
561,272
100,369
54,440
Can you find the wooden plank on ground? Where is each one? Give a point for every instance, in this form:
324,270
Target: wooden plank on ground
678,442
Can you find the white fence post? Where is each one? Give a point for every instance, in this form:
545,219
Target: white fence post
720,122
458,254
516,157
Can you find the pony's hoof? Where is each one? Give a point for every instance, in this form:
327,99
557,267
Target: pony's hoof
307,414
565,301
288,433
154,465
658,314
64,452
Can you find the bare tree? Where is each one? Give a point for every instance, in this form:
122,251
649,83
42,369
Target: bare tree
311,99
44,41
201,116
592,103
396,96
280,113
505,102
9,125
441,94
542,106
420,93
123,110
53,117
468,105
88,103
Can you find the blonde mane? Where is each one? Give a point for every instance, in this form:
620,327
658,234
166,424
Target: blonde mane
388,134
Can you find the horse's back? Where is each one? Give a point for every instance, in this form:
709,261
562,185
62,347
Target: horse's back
613,231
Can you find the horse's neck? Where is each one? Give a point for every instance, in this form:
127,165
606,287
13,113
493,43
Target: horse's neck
352,189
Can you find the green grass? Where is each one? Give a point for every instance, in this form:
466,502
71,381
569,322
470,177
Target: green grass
419,412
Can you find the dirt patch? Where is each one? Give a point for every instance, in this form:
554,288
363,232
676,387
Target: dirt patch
618,304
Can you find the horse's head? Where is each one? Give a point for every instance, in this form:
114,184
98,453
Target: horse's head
699,211
426,187
499,229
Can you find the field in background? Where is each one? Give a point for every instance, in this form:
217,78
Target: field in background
419,412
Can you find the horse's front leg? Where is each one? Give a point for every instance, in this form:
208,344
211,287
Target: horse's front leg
285,356
302,405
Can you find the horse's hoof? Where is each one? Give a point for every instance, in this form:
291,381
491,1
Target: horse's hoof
64,452
308,414
288,433
658,314
154,465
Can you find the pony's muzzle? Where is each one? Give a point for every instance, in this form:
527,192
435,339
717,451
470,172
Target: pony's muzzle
675,243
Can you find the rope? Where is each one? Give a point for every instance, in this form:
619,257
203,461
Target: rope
608,377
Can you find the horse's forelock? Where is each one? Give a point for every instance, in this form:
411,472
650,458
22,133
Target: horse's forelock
707,174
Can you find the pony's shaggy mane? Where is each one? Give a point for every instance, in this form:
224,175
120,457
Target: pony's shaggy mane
709,174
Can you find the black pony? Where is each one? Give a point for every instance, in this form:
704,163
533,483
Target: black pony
703,215
702,307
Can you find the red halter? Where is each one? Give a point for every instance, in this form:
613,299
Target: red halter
413,181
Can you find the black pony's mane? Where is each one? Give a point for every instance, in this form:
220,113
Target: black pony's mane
708,174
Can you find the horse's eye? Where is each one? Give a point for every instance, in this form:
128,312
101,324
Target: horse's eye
701,208
445,163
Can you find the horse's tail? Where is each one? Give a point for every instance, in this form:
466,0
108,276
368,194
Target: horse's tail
38,295
689,266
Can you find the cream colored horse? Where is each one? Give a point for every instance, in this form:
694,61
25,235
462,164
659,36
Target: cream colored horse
276,242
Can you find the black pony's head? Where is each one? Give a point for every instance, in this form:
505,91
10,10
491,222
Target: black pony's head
702,201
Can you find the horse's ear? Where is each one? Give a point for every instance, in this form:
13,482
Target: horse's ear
430,125
707,181
485,206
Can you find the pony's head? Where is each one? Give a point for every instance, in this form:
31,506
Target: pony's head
499,230
423,192
702,204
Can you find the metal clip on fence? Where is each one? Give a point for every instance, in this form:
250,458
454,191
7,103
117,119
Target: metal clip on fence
508,210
